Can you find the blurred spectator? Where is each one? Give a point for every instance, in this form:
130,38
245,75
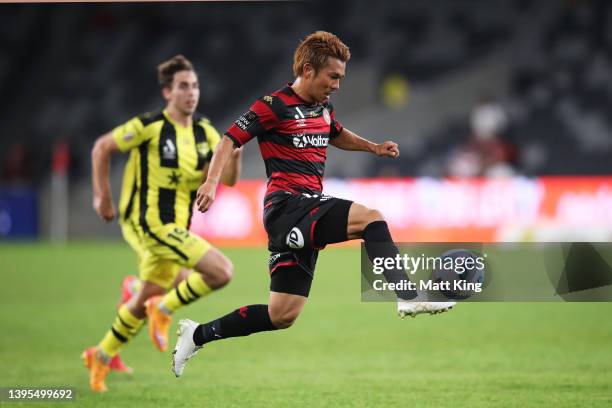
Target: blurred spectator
486,153
488,119
394,91
552,61
17,167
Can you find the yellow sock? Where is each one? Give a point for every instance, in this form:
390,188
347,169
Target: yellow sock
125,326
186,292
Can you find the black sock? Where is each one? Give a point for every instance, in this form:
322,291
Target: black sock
379,244
241,322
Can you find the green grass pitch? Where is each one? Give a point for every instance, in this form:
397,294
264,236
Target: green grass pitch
55,301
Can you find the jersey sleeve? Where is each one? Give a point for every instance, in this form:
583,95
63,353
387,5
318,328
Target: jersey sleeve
255,122
335,126
130,134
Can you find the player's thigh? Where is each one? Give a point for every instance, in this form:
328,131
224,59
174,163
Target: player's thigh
158,271
284,308
216,268
332,225
359,217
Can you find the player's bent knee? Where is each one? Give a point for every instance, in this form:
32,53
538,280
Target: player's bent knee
360,214
281,325
216,269
219,276
226,274
283,322
285,319
227,271
362,217
374,215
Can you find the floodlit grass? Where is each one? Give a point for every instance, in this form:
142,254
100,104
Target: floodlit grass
56,301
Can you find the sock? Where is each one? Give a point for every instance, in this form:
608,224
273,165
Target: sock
378,243
185,292
135,286
241,322
125,326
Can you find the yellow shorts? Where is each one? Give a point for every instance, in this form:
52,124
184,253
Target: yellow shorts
130,233
165,249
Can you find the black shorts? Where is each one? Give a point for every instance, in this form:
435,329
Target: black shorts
298,226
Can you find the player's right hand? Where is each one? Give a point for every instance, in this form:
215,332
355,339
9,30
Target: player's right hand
104,208
387,149
206,195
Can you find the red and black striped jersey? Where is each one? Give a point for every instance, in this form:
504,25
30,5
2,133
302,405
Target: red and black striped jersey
293,136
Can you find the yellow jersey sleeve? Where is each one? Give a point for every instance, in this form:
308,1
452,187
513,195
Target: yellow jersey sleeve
130,134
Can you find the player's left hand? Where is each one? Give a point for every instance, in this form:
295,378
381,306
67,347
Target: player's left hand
387,149
103,205
206,194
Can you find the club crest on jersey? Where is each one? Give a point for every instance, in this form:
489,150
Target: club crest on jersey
201,148
301,140
295,239
169,150
128,136
326,116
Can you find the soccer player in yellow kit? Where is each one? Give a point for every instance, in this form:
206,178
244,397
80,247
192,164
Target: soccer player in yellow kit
172,150
128,219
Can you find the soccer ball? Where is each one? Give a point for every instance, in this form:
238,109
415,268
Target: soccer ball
462,273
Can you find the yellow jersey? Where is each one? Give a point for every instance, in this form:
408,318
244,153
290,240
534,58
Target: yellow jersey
165,168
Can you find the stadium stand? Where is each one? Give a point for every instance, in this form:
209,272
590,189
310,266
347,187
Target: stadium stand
73,71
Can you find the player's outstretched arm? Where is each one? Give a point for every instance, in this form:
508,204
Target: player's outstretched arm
348,140
231,171
206,192
104,147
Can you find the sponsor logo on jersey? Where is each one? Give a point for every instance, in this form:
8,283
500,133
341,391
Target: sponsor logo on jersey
301,140
295,239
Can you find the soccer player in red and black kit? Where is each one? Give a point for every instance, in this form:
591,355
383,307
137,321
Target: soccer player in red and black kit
293,127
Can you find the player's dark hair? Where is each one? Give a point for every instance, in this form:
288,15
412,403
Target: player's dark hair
316,48
167,69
